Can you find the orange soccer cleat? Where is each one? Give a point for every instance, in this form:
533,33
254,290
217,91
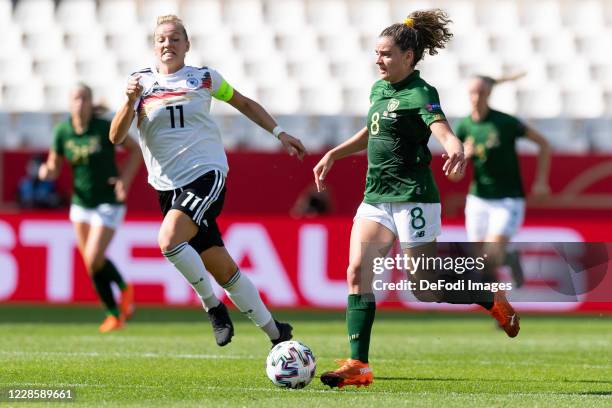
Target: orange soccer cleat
111,323
351,372
505,315
127,302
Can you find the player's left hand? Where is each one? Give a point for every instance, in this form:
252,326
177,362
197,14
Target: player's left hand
121,190
455,163
293,145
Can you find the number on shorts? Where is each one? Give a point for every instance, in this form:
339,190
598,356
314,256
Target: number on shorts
417,221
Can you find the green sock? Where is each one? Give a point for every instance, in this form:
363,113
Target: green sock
114,275
360,314
113,312
102,284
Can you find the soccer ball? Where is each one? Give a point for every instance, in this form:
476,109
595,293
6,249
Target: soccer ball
291,364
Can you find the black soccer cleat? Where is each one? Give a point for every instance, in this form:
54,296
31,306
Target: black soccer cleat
223,328
285,330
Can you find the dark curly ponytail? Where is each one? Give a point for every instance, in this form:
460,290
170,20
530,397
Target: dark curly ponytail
423,31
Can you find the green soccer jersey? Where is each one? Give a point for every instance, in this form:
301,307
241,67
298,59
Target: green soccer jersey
496,165
92,158
398,126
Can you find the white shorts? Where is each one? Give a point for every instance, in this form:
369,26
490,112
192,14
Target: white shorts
412,223
488,217
108,215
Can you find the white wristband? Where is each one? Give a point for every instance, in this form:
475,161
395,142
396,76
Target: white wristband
277,131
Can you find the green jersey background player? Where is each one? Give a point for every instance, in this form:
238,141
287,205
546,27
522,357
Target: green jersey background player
99,191
401,199
495,205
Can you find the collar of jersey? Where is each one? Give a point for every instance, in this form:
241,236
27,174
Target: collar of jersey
85,131
485,118
401,84
174,74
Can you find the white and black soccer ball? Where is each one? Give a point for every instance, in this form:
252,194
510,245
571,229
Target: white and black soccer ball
291,364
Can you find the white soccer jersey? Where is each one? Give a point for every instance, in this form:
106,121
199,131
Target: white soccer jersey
179,140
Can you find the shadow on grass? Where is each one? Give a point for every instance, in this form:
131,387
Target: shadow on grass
530,380
49,314
606,393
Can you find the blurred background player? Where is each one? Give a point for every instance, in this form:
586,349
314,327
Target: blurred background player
401,197
99,192
495,205
187,166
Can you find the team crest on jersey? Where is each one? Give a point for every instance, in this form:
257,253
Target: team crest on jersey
393,105
193,83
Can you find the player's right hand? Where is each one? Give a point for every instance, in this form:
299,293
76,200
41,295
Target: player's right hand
321,169
43,172
293,145
455,163
134,89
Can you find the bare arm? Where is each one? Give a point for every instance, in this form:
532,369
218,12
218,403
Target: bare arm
255,112
50,169
125,115
130,168
455,160
121,124
540,184
357,143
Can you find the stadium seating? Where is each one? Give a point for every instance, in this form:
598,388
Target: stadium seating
314,57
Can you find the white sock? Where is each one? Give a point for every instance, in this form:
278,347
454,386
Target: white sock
271,330
245,296
190,265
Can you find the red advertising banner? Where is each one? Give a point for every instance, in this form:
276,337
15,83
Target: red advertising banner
580,185
294,263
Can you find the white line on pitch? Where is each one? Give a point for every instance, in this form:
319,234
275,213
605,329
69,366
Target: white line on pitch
128,355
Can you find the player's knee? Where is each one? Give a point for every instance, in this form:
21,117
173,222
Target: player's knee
164,245
225,274
166,241
89,266
94,263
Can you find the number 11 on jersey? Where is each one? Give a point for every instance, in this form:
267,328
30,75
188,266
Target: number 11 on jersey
181,120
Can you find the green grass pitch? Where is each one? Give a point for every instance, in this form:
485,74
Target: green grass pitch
167,357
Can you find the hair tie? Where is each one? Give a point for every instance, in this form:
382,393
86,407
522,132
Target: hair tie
409,22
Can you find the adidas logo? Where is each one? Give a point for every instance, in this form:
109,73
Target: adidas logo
365,370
